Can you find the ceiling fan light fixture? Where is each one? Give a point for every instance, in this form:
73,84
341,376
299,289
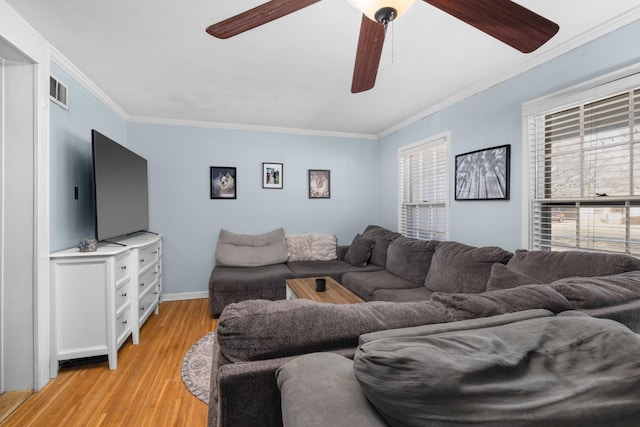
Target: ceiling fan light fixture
371,8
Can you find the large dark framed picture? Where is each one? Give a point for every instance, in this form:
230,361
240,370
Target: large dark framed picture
272,175
483,174
223,182
319,184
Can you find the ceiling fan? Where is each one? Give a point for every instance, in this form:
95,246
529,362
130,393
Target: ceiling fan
504,20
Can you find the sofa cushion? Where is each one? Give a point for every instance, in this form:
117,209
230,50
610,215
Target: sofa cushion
470,306
359,252
603,291
244,250
258,329
547,266
335,268
320,389
438,328
402,295
410,258
502,277
364,284
545,371
376,231
457,267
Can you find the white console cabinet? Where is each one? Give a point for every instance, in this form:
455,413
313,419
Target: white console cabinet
101,298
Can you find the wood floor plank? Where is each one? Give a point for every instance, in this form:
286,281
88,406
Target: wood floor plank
145,390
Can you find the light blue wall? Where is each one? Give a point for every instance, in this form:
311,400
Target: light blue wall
363,172
70,219
494,117
181,209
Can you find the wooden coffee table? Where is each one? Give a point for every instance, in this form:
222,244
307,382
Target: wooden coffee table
305,288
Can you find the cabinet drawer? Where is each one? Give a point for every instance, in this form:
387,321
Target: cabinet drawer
123,326
147,302
147,279
122,268
123,295
148,255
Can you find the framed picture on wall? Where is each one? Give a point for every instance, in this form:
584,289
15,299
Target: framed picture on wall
272,175
483,174
223,182
319,184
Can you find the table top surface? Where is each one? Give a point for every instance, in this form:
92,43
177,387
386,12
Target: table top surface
305,288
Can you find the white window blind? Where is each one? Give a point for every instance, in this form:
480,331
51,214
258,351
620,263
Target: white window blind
424,183
585,175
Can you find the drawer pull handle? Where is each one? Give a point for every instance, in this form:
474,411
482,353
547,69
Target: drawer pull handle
124,267
155,252
124,322
141,259
124,295
155,272
141,308
142,285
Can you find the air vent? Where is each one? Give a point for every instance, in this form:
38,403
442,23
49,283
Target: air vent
58,92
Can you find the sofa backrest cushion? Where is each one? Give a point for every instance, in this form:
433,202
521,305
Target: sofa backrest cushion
244,250
547,266
410,258
457,267
502,277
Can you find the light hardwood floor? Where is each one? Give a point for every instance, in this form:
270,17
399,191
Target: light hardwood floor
145,390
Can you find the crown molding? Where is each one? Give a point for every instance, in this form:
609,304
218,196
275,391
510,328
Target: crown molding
87,83
589,36
250,128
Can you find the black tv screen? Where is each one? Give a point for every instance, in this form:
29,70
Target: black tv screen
120,189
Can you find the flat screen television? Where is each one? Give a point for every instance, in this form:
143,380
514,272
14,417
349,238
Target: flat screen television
120,184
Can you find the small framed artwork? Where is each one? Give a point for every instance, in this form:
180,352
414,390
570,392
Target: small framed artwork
483,174
319,184
272,175
223,181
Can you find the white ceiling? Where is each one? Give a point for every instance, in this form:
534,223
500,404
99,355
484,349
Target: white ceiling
155,61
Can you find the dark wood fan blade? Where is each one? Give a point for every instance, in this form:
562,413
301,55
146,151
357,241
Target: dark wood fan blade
257,16
505,20
368,55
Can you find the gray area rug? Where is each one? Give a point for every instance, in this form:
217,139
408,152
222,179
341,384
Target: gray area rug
196,367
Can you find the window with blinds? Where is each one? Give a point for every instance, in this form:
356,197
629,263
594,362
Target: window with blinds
585,175
423,192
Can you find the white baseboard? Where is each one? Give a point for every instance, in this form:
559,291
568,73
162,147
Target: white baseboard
183,296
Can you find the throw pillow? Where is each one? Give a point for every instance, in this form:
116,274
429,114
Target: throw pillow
502,277
379,252
359,251
299,247
323,247
245,250
457,267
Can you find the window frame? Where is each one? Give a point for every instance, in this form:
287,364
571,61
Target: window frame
441,138
608,85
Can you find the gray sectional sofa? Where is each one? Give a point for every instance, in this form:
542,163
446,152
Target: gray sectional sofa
413,283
